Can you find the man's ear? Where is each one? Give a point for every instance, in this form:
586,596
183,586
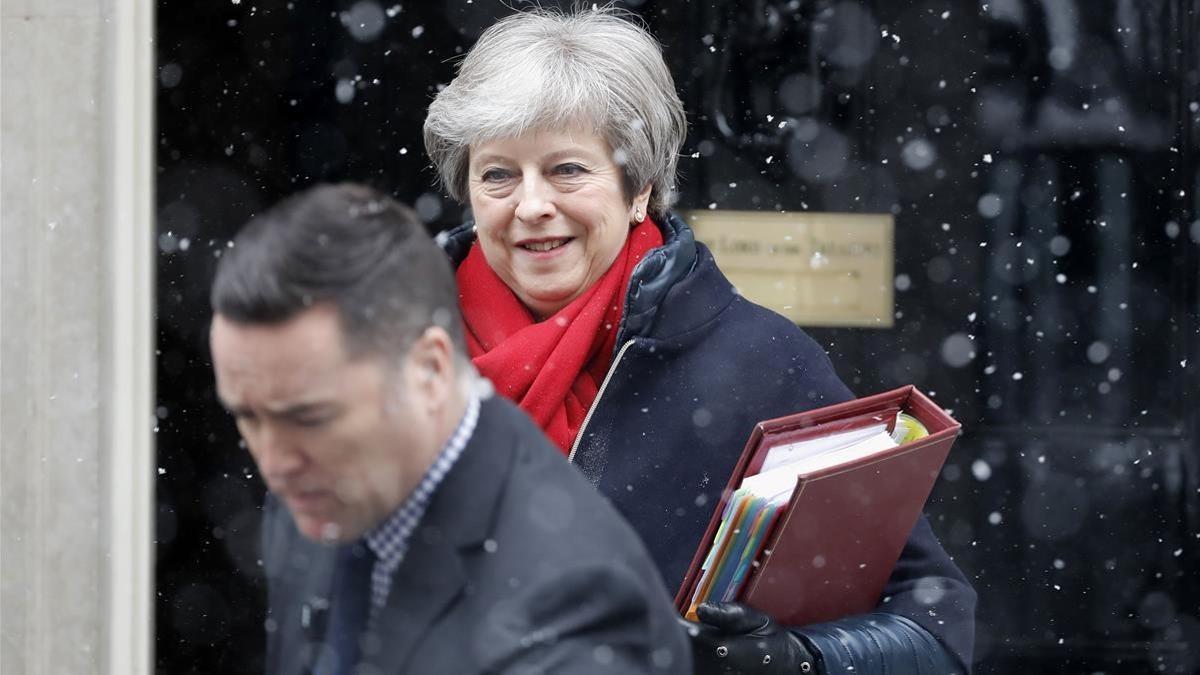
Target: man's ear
431,364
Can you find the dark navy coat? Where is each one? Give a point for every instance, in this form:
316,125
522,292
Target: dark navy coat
517,566
696,367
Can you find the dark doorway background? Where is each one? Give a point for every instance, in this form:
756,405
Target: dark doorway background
1042,160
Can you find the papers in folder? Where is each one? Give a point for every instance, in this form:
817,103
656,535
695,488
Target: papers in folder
754,508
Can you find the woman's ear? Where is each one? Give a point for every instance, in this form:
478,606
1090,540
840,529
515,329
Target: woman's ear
640,209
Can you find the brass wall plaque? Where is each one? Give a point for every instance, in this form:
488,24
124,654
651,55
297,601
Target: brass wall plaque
817,269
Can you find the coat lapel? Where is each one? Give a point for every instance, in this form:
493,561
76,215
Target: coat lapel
459,519
428,581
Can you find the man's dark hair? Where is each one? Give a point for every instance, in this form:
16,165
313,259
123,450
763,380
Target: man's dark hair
350,246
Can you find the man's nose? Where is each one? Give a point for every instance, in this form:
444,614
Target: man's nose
535,200
278,459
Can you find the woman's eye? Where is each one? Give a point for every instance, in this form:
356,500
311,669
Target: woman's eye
494,175
569,170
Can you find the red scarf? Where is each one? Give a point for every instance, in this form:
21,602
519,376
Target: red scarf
553,368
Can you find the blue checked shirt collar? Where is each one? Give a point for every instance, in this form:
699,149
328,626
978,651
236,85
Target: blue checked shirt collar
389,540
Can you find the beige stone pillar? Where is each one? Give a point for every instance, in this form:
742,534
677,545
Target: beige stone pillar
76,336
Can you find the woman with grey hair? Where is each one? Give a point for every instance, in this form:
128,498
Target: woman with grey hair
590,304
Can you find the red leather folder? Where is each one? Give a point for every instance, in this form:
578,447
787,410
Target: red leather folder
834,547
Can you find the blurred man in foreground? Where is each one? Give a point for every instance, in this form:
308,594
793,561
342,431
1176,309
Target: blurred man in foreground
415,524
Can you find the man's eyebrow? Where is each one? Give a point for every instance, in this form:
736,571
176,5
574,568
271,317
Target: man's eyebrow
301,408
235,410
297,409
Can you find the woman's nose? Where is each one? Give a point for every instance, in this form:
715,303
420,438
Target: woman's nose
535,200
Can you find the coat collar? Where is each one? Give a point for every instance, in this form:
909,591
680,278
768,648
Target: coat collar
655,276
457,523
478,480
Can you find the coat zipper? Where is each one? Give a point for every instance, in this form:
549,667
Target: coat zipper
599,395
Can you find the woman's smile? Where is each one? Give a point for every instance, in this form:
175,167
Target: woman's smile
544,248
550,213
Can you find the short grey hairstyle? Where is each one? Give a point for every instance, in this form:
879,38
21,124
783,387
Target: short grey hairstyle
542,70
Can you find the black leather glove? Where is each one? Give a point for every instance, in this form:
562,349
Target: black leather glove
732,638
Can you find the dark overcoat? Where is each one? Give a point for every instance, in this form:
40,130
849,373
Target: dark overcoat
696,367
518,566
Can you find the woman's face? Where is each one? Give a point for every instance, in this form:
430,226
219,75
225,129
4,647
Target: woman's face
550,213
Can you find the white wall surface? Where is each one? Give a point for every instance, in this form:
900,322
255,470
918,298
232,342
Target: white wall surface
76,449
